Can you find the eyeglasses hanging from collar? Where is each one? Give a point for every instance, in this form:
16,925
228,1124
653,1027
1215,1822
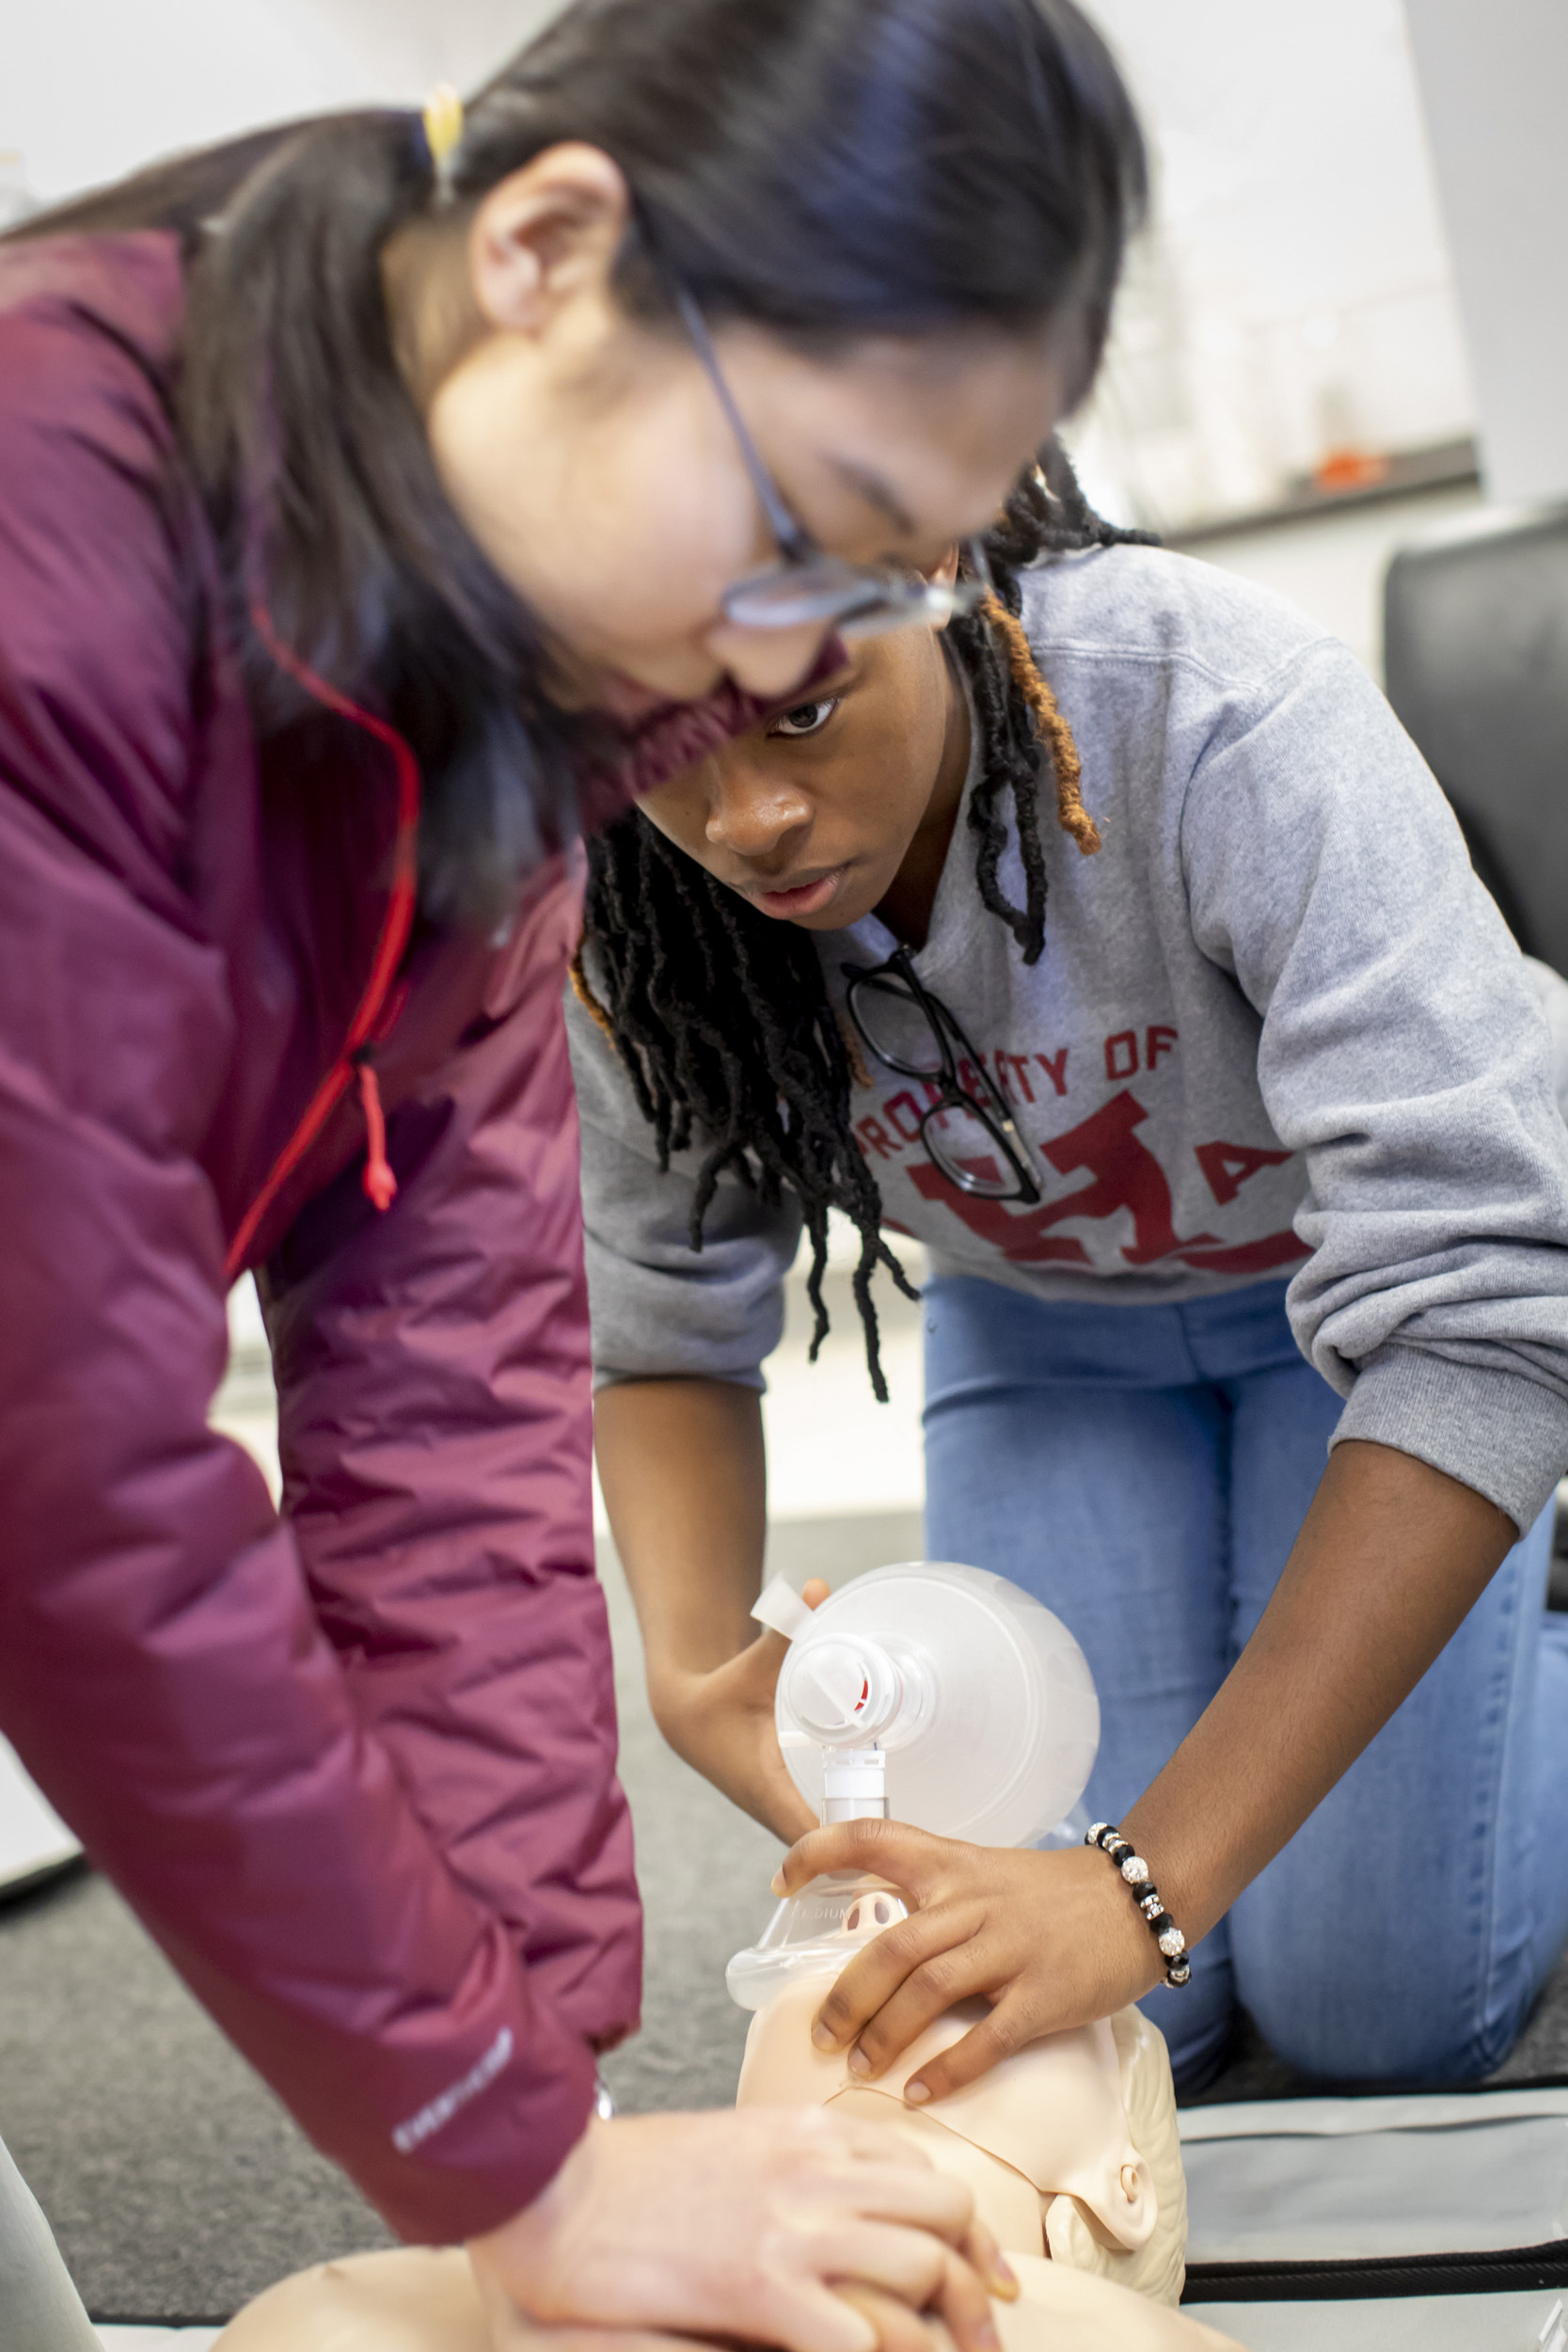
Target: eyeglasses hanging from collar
969,1131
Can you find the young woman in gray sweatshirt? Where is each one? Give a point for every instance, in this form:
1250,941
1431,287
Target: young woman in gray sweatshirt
1223,1103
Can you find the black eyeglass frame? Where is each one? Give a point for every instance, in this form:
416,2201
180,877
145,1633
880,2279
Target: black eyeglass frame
807,586
992,1112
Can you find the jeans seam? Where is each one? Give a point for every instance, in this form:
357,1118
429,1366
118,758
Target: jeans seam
1486,2047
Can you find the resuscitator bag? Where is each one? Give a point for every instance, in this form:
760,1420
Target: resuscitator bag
937,1693
1423,2222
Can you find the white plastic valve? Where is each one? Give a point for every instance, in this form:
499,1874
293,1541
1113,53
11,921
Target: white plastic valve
780,1609
979,1698
841,1692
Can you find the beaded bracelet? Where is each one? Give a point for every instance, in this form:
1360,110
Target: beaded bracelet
1134,1869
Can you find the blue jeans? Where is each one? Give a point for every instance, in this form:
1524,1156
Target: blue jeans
1143,1472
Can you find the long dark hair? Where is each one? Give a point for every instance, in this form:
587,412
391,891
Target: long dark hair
721,1016
821,167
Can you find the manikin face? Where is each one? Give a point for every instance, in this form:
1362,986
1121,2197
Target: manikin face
811,817
587,453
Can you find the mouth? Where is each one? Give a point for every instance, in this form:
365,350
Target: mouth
807,898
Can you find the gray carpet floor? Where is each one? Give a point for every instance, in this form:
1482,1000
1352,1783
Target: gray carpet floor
177,2185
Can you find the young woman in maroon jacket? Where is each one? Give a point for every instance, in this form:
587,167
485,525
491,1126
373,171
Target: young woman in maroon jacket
374,510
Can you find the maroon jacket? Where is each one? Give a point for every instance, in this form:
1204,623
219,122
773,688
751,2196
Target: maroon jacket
355,1766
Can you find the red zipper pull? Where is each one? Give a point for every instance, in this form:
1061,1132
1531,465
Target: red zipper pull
380,1183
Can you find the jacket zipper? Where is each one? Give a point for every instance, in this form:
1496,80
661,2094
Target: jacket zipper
353,1059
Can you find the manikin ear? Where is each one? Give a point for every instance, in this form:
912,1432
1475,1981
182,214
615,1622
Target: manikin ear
545,234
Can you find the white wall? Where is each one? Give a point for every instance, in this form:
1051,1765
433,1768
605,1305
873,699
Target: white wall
1494,79
1296,293
90,88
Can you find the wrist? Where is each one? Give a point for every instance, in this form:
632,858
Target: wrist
1196,1894
521,2248
1147,1906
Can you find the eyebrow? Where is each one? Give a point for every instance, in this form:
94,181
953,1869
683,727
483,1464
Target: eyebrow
877,492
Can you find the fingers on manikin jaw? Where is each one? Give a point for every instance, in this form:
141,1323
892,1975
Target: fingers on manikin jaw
870,1978
925,1956
928,1993
984,2046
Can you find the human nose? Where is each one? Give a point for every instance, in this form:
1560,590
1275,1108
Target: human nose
767,662
752,815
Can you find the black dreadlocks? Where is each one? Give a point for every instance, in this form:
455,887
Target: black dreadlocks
722,1017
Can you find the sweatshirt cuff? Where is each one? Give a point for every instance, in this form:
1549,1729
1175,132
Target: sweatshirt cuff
1499,1432
617,1377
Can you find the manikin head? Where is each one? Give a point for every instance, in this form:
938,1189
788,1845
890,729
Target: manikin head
1076,2109
1069,2145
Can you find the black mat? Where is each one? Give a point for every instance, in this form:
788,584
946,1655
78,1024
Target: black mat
177,2185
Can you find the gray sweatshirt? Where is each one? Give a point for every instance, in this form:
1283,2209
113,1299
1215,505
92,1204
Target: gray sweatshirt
1278,1029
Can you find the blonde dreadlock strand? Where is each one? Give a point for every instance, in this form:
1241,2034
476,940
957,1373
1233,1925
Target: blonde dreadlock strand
1071,815
582,989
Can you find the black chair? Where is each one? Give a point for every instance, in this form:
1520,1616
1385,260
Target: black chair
1475,623
1476,654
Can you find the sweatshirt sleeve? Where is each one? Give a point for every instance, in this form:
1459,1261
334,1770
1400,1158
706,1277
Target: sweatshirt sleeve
661,1310
1404,1053
163,1669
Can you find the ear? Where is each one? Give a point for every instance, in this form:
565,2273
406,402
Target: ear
547,233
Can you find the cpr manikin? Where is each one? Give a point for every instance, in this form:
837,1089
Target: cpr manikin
949,1698
1069,2145
423,2299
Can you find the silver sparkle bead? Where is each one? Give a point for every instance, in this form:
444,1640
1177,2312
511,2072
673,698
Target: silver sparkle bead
1181,1973
1151,1905
1172,1941
1096,1833
1134,1869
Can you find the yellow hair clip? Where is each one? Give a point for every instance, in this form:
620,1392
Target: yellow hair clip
443,128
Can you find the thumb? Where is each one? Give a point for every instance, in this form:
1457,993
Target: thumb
761,1663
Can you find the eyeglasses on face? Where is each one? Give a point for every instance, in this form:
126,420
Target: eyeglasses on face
968,1133
807,587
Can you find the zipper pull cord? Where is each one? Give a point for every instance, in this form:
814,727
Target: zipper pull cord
380,1184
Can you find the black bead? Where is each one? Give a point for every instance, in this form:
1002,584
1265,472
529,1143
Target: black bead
1160,1921
1180,1974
